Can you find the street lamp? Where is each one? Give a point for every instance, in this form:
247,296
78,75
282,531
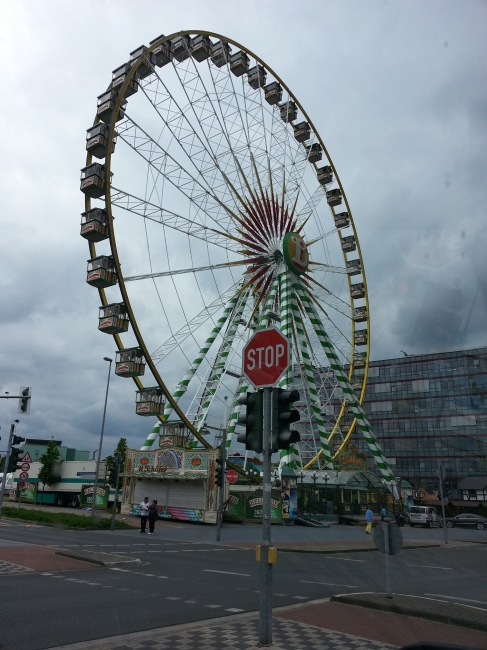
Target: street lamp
95,484
315,477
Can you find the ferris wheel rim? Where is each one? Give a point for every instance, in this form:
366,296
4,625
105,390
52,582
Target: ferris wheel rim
114,249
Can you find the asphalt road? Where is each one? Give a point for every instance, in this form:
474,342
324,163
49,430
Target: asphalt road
188,580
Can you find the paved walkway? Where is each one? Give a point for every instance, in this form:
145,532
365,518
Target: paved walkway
320,625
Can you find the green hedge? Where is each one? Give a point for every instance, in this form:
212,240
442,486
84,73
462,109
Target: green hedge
63,519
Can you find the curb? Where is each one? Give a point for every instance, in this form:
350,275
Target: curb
351,550
415,612
97,558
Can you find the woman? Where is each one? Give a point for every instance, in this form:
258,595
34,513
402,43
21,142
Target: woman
153,514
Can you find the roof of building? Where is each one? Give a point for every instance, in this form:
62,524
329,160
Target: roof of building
473,483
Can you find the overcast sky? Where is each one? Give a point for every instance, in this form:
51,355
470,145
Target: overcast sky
396,90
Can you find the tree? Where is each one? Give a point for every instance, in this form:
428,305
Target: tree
121,449
48,459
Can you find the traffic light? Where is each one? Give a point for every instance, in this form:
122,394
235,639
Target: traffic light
219,472
15,462
16,440
253,421
24,401
282,418
113,473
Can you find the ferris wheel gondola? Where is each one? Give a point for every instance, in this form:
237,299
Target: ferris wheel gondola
225,199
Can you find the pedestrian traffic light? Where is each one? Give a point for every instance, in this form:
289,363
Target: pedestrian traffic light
252,420
219,472
24,401
282,418
15,462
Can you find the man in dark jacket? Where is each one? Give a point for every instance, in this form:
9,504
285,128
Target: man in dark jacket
153,514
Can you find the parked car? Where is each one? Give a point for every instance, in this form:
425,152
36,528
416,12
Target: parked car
424,516
467,520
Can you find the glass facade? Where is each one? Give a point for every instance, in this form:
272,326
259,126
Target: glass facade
427,408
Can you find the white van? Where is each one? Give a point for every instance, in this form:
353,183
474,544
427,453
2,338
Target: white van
424,516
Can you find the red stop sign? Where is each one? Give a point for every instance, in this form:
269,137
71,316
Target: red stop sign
266,357
232,476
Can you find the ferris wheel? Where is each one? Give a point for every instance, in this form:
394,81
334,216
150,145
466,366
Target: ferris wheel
215,210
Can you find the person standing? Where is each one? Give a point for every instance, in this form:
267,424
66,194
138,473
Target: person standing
383,514
153,514
144,513
369,518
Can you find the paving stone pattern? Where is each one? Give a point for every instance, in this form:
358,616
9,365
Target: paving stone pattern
7,568
242,635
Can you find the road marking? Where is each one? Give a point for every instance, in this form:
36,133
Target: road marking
214,606
172,551
187,550
172,598
116,569
235,610
191,602
87,545
123,589
200,550
153,551
465,600
46,574
330,584
123,544
301,597
163,577
154,544
280,594
426,566
347,559
230,573
94,584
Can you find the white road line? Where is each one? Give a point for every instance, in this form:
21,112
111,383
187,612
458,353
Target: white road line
330,584
280,594
88,544
171,551
200,550
117,569
123,544
191,602
426,566
187,550
214,606
301,597
464,600
235,610
153,551
230,573
163,577
347,559
45,573
172,598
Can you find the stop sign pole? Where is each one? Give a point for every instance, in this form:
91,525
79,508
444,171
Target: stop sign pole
265,360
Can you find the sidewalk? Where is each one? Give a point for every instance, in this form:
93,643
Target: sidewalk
320,625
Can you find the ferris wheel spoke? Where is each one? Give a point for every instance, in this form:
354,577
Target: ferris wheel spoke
206,161
211,267
347,389
157,214
201,404
166,166
310,382
206,314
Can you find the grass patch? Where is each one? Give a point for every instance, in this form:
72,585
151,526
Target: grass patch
63,519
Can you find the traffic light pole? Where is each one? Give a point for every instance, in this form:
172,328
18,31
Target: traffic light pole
265,622
221,491
5,467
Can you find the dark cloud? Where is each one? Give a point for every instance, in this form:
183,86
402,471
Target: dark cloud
401,114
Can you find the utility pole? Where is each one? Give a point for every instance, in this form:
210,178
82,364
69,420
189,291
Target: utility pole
440,476
265,621
118,460
5,467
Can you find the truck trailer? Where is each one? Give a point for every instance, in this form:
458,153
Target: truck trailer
74,487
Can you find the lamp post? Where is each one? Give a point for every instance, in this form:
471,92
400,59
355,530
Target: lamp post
301,476
327,478
97,472
315,477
